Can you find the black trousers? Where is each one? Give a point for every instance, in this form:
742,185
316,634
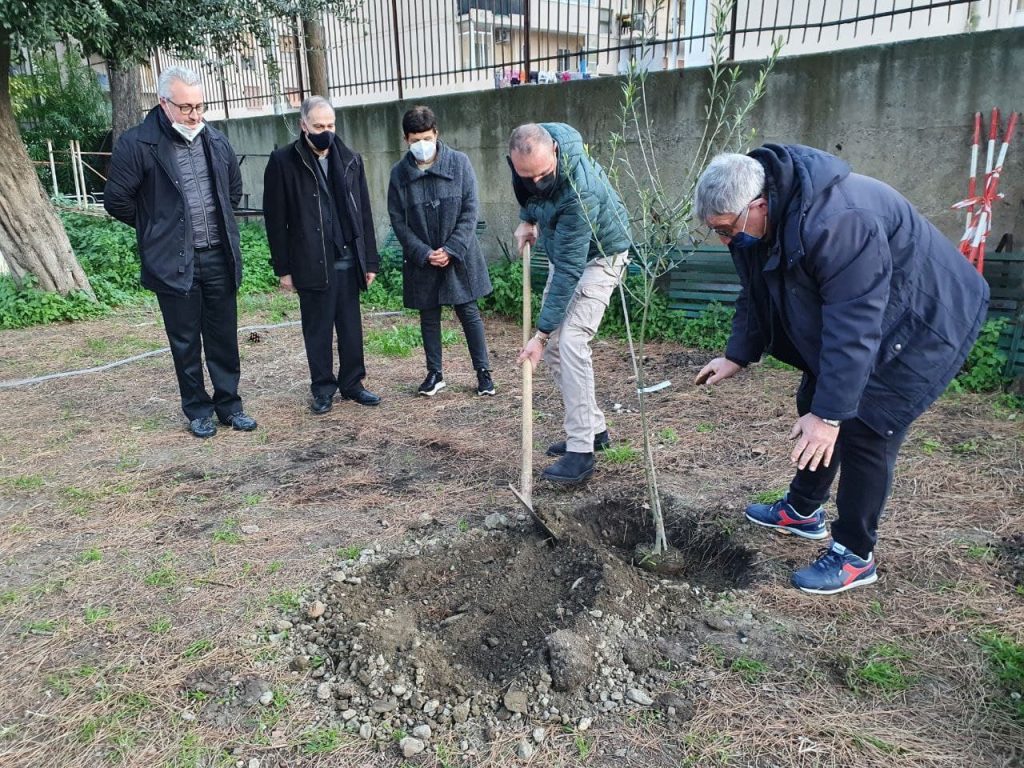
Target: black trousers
335,309
868,461
472,326
205,320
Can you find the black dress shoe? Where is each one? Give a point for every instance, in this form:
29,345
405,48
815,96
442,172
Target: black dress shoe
203,427
361,396
239,421
601,442
570,469
321,403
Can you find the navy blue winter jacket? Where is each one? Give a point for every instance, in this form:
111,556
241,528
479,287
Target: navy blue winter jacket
873,300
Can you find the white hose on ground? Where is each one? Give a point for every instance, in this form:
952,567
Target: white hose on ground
116,363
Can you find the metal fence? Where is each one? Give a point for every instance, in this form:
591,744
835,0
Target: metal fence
392,50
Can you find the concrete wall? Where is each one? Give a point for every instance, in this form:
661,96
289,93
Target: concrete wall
902,113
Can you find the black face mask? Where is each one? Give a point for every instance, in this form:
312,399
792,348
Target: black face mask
544,186
320,141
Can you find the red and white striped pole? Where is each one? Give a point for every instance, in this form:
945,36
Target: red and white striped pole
992,188
972,182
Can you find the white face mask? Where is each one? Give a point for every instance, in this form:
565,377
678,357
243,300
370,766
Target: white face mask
189,133
423,150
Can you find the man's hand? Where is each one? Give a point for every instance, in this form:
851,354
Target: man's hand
717,370
439,258
369,278
285,283
817,441
533,351
525,233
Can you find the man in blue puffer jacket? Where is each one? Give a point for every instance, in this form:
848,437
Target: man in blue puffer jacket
565,197
845,280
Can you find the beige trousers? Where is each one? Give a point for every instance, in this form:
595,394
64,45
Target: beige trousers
568,349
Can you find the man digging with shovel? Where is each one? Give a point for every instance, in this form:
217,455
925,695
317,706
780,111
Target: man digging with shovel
565,198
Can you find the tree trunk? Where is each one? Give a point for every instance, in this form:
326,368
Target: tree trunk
32,238
316,59
127,102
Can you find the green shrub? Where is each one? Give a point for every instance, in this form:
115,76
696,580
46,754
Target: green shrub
61,100
386,291
107,251
25,305
257,271
984,369
507,297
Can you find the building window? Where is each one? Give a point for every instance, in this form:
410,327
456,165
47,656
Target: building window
483,44
563,59
604,21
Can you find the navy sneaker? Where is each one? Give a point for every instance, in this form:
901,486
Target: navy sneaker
836,570
782,516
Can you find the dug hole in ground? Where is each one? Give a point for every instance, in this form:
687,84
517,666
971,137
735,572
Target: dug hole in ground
362,588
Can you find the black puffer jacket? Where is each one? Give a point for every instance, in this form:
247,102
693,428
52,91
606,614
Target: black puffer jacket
144,191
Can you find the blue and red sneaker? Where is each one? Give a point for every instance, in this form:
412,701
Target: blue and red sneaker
836,570
782,516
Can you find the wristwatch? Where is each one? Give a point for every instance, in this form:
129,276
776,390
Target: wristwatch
832,422
541,337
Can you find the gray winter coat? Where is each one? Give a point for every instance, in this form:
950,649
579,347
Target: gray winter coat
437,208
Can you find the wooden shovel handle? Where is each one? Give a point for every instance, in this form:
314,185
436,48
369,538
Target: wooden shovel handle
526,474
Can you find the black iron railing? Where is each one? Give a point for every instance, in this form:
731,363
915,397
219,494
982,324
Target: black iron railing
393,49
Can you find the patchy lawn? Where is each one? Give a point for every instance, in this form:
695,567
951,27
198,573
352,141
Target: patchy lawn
314,593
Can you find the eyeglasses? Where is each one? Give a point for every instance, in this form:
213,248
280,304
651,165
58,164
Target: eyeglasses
188,109
729,232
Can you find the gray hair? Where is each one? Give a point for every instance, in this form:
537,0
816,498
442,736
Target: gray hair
527,137
311,103
176,74
729,183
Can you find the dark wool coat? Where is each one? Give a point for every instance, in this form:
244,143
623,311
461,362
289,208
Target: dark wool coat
858,289
292,197
582,220
144,191
437,208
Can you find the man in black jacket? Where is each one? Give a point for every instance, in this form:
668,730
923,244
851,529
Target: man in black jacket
317,210
176,180
842,278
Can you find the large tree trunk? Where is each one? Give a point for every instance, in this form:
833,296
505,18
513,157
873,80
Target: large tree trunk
128,105
316,59
32,238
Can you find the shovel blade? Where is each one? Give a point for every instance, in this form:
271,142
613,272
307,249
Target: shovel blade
537,517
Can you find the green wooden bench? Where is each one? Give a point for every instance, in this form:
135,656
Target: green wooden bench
703,277
1005,275
391,239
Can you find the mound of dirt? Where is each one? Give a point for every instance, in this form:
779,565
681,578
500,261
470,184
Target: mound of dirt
495,628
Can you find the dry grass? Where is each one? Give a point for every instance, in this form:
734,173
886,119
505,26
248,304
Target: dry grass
125,570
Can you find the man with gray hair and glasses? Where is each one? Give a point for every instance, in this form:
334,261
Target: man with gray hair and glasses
176,180
843,279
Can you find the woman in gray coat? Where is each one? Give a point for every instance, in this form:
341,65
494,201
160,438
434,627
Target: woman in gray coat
433,205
